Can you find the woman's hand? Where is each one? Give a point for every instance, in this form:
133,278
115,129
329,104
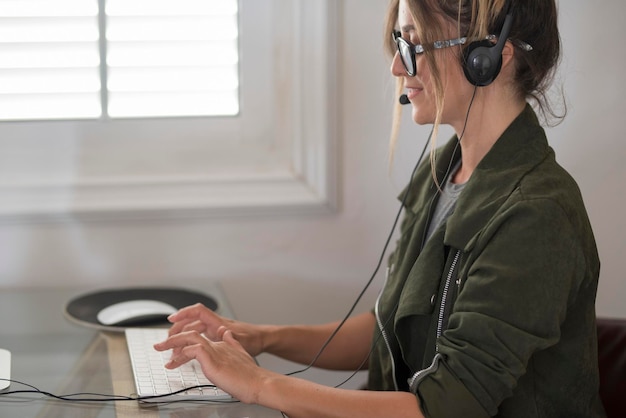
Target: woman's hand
223,360
204,321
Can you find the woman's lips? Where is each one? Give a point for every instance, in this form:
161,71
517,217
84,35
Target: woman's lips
413,92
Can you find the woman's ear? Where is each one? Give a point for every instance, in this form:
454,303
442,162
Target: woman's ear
508,56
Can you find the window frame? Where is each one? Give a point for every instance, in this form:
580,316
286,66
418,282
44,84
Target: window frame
286,166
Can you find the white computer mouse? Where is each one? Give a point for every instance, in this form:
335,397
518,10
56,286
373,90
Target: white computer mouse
135,312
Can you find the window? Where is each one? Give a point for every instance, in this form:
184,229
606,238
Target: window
274,154
78,59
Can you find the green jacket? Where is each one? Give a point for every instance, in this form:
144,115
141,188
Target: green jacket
495,314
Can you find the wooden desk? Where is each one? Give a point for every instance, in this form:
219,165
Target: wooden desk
62,358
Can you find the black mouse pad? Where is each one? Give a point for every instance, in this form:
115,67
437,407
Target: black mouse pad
83,310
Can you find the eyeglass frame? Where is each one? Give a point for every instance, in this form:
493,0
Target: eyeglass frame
419,48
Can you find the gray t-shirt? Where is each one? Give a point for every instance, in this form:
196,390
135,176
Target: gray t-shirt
446,204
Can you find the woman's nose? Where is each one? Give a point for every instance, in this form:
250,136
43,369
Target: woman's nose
397,67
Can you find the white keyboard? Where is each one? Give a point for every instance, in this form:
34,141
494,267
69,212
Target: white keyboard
153,379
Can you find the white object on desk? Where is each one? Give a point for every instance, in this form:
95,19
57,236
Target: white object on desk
134,310
5,368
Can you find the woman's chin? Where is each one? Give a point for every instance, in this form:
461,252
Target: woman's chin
421,118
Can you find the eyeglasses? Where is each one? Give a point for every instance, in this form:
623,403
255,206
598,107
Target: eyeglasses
408,51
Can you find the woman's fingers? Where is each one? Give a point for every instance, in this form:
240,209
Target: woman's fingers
201,320
224,361
179,344
180,340
194,318
193,313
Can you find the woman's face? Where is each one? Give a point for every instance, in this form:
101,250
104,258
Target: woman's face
420,89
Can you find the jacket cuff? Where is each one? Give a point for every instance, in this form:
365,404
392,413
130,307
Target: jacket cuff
442,394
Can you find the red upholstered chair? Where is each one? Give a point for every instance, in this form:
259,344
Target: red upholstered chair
612,363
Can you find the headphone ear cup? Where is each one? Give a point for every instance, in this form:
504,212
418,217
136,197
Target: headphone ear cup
481,63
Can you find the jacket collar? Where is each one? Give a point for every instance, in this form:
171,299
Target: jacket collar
521,147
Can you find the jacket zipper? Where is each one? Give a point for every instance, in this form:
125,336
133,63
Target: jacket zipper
444,296
417,376
383,333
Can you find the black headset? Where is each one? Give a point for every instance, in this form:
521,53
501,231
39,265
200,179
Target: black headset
482,60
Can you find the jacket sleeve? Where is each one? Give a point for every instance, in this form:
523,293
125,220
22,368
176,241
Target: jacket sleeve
520,275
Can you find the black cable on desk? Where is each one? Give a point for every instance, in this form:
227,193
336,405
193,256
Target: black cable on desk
99,397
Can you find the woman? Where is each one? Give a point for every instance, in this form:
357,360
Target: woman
488,309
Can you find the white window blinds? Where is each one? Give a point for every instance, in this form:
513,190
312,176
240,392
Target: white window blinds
170,58
49,63
73,59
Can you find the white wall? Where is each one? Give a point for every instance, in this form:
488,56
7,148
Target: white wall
342,248
589,143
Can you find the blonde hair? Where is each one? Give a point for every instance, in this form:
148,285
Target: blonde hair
476,19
